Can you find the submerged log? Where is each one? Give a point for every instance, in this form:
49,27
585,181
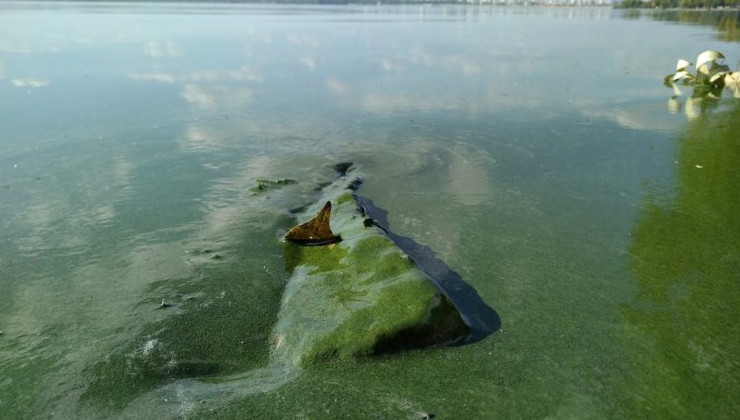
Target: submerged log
356,293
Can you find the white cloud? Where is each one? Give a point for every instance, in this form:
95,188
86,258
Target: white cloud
309,62
159,49
200,96
260,36
391,65
628,114
391,103
22,47
30,83
216,96
304,41
337,86
154,77
198,138
244,73
420,57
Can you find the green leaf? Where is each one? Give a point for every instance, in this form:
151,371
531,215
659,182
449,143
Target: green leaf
719,76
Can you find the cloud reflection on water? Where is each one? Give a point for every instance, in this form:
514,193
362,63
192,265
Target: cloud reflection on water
244,73
286,104
163,49
309,62
30,83
209,97
466,64
304,41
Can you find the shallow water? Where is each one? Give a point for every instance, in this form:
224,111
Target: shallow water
531,149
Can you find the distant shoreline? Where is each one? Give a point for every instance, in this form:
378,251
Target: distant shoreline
662,5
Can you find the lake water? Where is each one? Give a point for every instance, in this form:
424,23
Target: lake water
532,149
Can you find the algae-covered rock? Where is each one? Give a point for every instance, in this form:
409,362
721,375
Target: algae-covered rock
361,295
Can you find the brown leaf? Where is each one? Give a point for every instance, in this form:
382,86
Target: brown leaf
316,231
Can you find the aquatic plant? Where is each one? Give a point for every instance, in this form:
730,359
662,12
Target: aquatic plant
709,80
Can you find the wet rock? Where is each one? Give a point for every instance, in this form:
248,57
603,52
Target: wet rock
342,168
266,184
360,296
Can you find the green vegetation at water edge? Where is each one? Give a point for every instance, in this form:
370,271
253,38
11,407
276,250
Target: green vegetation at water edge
710,78
672,4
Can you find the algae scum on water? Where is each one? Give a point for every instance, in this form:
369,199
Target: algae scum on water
351,291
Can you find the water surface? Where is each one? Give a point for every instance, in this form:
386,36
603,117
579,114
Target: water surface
530,148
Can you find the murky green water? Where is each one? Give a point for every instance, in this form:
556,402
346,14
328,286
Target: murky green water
531,149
